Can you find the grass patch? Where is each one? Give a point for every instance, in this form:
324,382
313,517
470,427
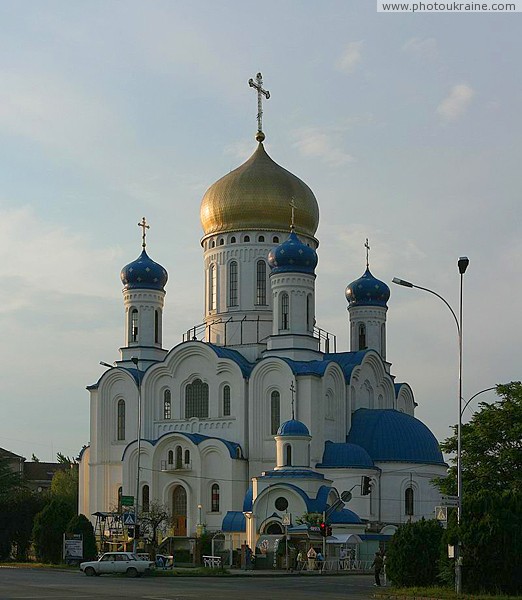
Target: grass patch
437,593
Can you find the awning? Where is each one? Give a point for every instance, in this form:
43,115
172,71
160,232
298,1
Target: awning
344,538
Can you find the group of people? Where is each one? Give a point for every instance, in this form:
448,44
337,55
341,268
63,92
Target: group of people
314,560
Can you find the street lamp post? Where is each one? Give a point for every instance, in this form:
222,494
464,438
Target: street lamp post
135,360
462,264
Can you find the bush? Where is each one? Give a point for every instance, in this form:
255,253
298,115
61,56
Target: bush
49,526
413,554
81,524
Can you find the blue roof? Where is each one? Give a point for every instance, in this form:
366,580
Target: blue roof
245,366
249,499
390,435
345,455
293,473
234,449
292,256
293,427
234,520
346,360
367,291
344,516
143,273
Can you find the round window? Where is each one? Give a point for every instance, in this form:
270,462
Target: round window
281,503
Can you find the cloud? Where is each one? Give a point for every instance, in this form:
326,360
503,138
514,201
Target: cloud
424,48
322,143
39,257
456,103
350,58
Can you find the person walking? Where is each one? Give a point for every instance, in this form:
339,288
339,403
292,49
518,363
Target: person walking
377,568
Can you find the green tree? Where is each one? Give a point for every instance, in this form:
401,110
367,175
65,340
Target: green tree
414,553
49,526
81,524
310,519
491,523
491,446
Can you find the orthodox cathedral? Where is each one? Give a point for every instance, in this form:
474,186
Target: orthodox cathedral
256,418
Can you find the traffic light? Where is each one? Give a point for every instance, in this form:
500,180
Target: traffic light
130,532
328,530
366,485
323,529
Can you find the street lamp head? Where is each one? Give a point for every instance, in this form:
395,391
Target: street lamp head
105,364
135,360
402,282
463,264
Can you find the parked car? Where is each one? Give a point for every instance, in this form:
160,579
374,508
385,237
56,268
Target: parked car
117,562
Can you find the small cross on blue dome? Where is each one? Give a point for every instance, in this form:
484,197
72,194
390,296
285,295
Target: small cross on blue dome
367,291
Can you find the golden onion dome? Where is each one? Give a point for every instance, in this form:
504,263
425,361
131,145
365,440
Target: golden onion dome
257,196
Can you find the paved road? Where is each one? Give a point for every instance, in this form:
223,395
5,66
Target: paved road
40,584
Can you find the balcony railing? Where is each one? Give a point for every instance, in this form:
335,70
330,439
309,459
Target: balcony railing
175,466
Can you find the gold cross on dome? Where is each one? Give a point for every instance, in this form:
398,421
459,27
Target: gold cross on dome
144,226
292,390
367,246
258,85
293,207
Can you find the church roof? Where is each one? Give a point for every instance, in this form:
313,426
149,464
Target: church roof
234,520
345,455
367,291
344,516
143,273
390,435
245,366
256,196
346,360
293,427
292,256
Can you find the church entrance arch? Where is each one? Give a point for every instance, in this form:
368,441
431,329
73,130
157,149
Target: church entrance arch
273,528
179,510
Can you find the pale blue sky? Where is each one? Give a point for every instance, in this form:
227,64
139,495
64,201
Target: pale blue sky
407,127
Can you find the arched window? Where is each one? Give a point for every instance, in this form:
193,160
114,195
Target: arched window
170,457
212,291
383,341
187,457
134,325
121,419
275,412
261,283
226,401
285,309
232,283
309,313
213,244
288,455
261,238
167,405
157,326
246,238
214,498
408,501
145,499
221,241
233,240
179,457
275,239
362,336
196,400
120,494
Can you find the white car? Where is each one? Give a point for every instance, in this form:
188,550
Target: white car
117,562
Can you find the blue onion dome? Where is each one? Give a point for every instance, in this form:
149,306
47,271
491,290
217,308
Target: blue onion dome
144,273
293,427
292,256
367,291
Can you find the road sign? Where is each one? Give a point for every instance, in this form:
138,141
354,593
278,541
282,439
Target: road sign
129,519
441,513
127,500
450,500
